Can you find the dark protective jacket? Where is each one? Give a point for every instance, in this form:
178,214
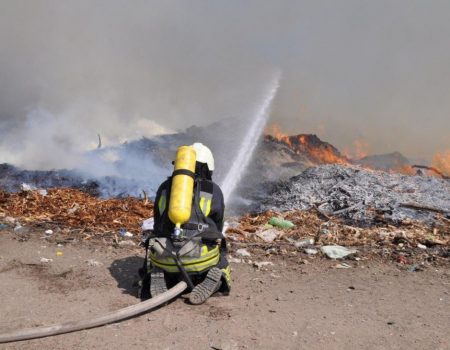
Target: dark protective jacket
208,208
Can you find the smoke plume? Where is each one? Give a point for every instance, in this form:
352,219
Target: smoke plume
353,70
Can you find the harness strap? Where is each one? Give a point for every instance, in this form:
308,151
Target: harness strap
183,172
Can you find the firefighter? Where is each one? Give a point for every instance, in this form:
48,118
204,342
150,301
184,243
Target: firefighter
195,250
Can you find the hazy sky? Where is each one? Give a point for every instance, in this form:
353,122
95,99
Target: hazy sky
372,70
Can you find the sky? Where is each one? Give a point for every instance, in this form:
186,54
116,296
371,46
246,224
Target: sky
352,70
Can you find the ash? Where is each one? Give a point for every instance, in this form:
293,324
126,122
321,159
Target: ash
362,197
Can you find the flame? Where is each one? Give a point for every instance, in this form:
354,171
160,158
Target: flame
323,153
327,156
441,161
307,144
302,139
275,131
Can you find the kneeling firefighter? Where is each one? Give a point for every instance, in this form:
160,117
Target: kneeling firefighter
187,241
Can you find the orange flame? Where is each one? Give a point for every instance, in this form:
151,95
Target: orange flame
323,153
276,132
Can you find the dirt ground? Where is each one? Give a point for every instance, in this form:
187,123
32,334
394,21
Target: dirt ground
289,305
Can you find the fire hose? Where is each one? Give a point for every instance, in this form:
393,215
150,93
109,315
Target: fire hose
114,316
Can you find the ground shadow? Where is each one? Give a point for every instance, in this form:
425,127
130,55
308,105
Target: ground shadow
125,272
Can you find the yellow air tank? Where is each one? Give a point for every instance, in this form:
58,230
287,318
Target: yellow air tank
180,203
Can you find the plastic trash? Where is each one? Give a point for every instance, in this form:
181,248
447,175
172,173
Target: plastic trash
311,251
304,243
234,260
148,224
125,233
10,220
2,226
59,253
281,223
49,232
268,236
45,260
127,243
242,253
342,266
337,251
225,227
27,187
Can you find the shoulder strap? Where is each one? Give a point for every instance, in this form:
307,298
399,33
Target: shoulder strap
205,197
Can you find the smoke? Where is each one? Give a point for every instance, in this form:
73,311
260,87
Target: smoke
47,141
376,71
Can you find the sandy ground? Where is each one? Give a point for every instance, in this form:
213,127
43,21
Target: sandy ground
288,306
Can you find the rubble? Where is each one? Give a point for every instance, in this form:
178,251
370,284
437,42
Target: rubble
268,235
336,251
303,243
398,243
93,263
311,251
342,266
261,264
243,253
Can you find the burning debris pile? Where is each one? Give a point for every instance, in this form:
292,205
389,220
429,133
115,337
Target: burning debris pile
293,166
312,148
362,196
73,209
13,179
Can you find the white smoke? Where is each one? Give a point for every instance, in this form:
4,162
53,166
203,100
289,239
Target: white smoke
54,141
351,70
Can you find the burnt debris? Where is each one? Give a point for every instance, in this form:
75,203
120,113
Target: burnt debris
361,196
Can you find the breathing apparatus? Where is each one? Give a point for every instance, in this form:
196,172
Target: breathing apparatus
180,204
186,160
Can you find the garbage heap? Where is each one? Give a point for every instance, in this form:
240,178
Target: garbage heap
304,235
69,215
362,197
71,209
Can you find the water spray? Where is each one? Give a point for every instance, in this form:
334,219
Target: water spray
250,141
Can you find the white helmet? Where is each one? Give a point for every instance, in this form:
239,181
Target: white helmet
204,155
